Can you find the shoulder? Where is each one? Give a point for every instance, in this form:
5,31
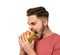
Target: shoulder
57,36
56,39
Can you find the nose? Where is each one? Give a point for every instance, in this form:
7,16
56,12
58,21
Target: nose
30,27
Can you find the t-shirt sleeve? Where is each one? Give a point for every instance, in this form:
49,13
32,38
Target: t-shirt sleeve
56,50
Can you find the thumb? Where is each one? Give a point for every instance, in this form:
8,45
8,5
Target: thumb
32,43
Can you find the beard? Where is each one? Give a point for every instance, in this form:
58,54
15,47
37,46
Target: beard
40,37
41,30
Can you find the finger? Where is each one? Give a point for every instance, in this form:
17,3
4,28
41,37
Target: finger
20,36
21,43
25,37
32,43
20,40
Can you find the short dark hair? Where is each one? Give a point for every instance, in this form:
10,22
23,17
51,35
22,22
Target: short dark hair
39,11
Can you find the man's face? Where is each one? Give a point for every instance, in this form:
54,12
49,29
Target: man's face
36,25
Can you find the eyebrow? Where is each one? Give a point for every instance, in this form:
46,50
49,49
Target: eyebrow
31,22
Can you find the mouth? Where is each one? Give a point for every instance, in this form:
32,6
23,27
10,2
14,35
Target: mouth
36,33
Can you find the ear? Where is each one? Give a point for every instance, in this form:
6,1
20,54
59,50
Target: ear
45,22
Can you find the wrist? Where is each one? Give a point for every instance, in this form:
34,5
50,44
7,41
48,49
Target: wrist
22,52
32,52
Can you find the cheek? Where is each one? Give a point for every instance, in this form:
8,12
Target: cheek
38,26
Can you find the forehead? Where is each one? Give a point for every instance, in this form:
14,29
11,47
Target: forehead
33,18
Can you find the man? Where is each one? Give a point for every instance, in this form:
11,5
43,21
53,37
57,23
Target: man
46,42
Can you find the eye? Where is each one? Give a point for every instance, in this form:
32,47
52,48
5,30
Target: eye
33,23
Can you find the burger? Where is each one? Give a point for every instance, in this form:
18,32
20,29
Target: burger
30,35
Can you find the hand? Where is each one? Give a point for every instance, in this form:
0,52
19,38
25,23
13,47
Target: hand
25,44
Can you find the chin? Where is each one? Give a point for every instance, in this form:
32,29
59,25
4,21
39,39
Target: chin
40,36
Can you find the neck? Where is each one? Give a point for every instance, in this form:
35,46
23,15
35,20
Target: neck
47,32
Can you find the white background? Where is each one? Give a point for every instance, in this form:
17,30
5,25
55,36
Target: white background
13,21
